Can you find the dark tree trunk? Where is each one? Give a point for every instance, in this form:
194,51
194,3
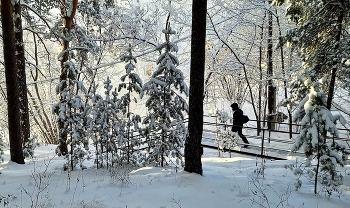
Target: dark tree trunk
11,82
260,87
290,121
334,70
271,89
22,83
193,151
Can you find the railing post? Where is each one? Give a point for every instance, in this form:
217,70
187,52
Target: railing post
262,142
216,129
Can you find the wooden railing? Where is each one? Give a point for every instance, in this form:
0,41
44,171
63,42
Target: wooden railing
267,140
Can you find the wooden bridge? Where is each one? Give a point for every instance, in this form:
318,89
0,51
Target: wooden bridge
271,144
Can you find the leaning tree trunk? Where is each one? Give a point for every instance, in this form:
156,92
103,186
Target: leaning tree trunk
13,95
193,151
22,83
67,19
42,119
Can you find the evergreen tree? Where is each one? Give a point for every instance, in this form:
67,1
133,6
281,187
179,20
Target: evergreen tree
71,113
133,84
298,91
68,11
321,38
316,119
94,124
108,112
166,106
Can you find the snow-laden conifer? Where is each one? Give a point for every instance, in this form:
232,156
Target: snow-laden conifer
166,106
71,112
316,121
95,123
108,114
132,85
322,40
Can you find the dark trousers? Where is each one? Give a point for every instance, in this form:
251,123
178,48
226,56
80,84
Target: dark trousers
240,134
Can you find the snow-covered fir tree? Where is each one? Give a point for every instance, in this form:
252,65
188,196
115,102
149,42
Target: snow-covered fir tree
166,106
94,125
108,116
71,112
316,121
132,83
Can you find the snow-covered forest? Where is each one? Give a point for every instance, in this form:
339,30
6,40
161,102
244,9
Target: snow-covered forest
126,84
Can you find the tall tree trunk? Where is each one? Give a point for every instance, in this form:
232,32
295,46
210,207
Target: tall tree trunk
271,89
22,84
193,151
13,95
67,19
334,69
290,121
260,86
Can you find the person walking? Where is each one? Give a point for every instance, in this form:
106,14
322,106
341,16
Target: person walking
237,122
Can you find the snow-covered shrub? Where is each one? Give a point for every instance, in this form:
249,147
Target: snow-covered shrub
226,139
166,106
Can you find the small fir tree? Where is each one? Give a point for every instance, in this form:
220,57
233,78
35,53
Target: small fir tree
71,113
316,120
166,106
133,85
108,114
93,124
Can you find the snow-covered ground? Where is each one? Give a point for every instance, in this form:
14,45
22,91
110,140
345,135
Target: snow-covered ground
226,182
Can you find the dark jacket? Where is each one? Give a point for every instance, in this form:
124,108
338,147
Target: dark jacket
237,120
